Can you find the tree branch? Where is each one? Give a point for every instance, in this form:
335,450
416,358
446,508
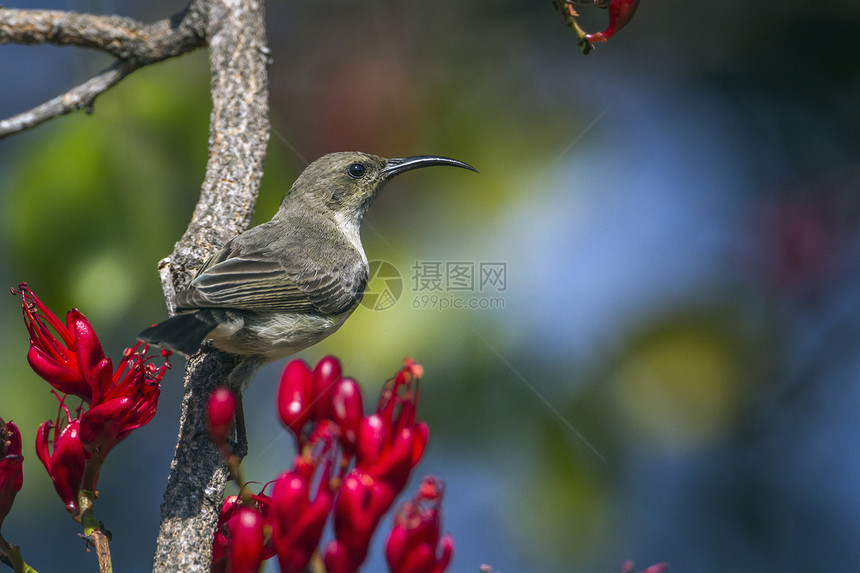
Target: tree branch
238,136
80,97
133,44
123,38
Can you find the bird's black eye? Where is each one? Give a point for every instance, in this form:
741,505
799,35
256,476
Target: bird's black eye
356,170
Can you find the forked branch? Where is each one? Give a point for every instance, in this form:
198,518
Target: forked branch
132,43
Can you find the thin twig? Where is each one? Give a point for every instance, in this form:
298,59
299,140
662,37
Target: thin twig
133,44
80,97
566,7
102,544
11,555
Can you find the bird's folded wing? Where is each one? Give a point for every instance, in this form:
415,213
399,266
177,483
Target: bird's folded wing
261,284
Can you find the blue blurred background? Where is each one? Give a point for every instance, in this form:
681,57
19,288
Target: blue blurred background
669,370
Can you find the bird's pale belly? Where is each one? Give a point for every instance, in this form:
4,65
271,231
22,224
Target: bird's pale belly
253,334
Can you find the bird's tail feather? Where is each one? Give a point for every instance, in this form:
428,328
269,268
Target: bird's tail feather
182,333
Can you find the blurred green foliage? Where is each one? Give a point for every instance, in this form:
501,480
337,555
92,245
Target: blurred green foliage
106,195
683,381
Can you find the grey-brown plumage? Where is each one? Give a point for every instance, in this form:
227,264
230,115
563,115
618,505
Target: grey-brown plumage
287,284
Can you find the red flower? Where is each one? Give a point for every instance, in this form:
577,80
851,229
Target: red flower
297,520
246,541
68,359
620,13
65,464
233,529
347,411
11,463
325,380
295,396
414,545
309,396
122,401
361,503
220,410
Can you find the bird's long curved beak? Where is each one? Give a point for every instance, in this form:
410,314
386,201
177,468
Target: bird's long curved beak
397,166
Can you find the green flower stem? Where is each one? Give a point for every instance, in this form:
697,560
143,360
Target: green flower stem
86,513
94,532
570,16
317,565
13,554
87,496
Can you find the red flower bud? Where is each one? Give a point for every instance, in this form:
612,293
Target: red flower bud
65,464
11,464
326,376
372,435
348,412
620,13
337,558
295,393
220,410
246,541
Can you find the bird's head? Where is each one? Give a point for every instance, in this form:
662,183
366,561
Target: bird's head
345,184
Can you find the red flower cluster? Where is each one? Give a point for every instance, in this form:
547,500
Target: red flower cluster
349,463
70,357
389,445
11,463
412,545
